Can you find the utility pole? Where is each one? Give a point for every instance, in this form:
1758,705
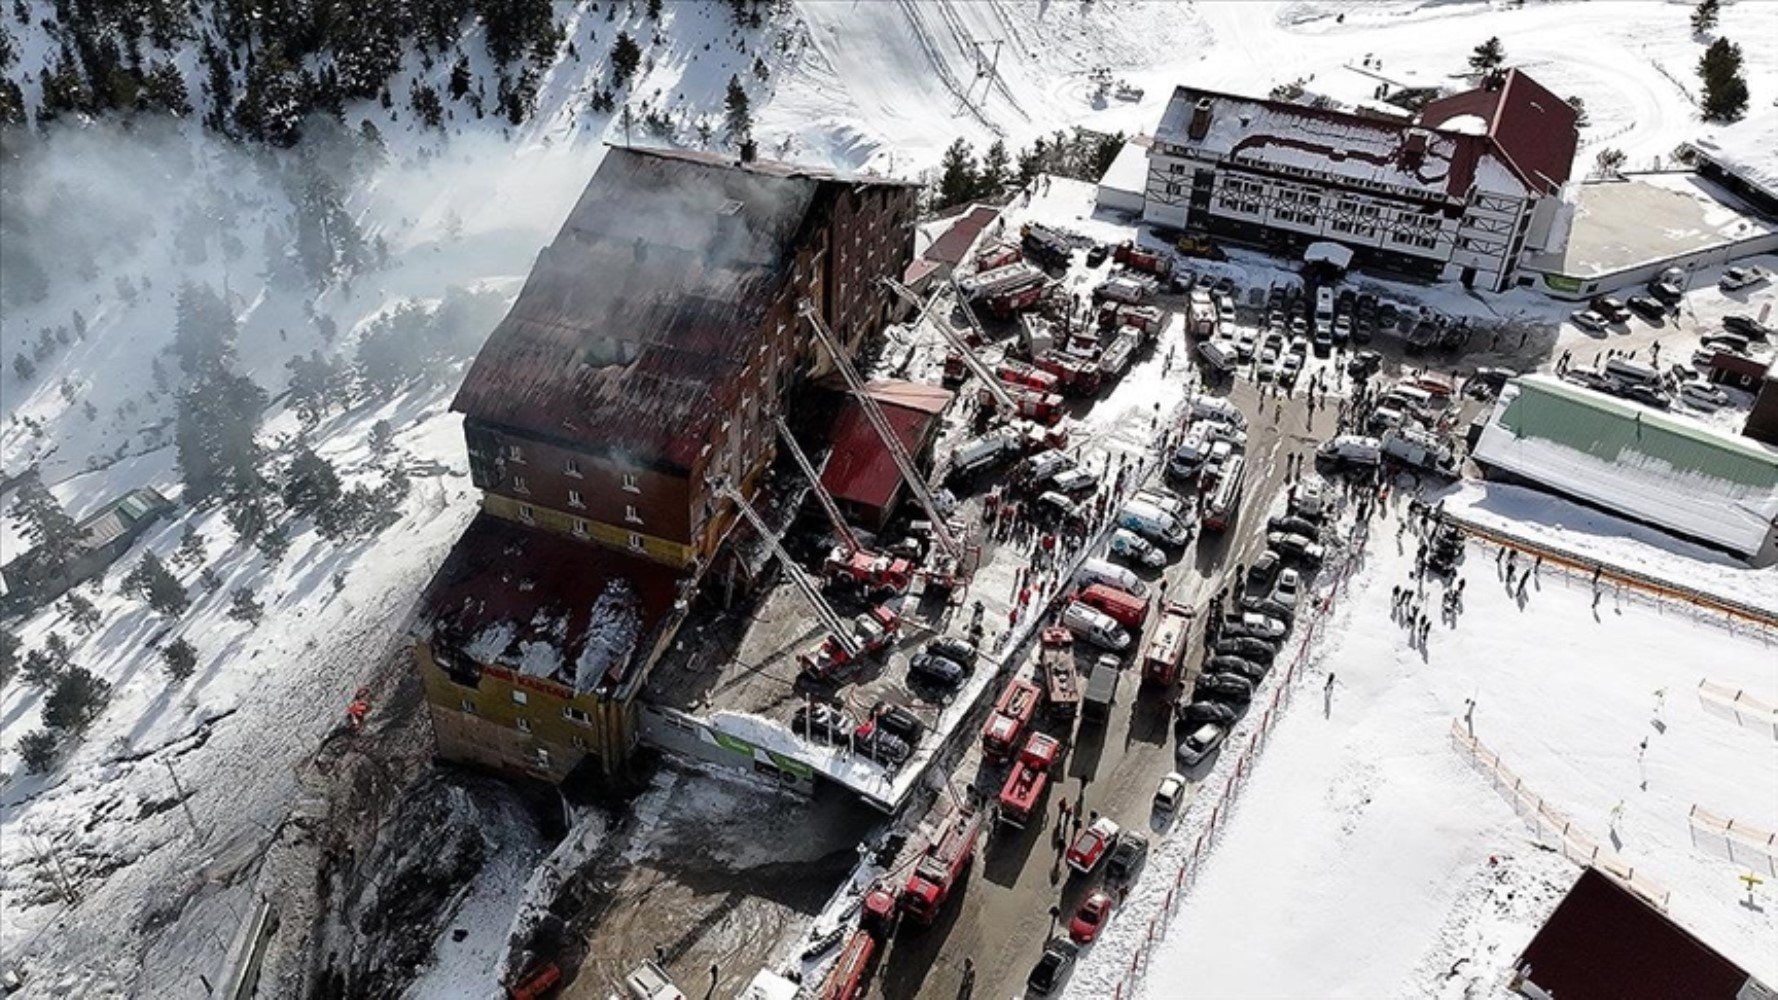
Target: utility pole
184,803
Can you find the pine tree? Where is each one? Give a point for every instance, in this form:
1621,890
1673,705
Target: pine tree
310,485
382,438
1487,55
9,655
152,582
996,167
739,116
245,607
179,659
76,700
192,548
55,539
37,750
1704,16
273,543
654,10
83,615
460,79
39,669
1725,89
957,177
313,387
626,55
204,330
24,367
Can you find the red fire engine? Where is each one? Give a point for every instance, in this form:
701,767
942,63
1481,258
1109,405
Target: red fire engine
1030,776
1012,713
942,866
850,977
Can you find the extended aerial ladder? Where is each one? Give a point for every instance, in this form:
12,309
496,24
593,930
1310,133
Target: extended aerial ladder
958,344
830,619
848,538
873,414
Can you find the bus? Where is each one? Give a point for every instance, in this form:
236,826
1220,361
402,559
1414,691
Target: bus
1225,500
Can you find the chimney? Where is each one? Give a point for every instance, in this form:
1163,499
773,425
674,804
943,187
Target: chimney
1413,149
1200,123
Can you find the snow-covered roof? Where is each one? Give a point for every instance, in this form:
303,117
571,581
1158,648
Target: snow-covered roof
1654,467
1746,149
1129,170
1322,251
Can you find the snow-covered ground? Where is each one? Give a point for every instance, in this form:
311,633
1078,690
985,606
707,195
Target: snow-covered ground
879,86
1360,811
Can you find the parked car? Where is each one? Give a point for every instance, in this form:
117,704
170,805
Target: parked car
1192,750
1090,918
1737,278
1310,500
1090,845
822,721
1364,364
1588,320
1246,647
1295,547
899,722
1293,523
1725,341
936,669
1074,482
1048,974
1169,793
1264,568
1648,307
1254,624
1262,604
1342,329
1224,687
1289,589
1667,290
1648,395
1097,254
1197,713
1703,396
961,651
1133,548
1589,378
1486,383
1746,326
880,745
1610,308
1126,857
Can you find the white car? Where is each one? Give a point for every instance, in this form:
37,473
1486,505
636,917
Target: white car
1127,545
1737,278
1703,396
1587,319
1169,793
1289,588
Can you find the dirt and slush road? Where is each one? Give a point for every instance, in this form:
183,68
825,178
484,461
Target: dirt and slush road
1001,918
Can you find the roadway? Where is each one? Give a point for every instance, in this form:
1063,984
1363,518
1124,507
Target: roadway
1001,918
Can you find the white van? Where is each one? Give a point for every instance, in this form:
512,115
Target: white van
1095,626
1167,501
1188,458
1152,523
1632,372
1205,407
1351,449
1324,303
1418,448
1220,357
1096,570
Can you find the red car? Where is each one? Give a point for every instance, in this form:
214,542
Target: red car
1090,919
1091,844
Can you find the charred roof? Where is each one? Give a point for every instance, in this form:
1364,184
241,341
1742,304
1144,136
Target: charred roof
634,322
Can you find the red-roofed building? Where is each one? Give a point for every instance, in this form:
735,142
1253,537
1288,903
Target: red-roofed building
1460,193
860,474
1604,943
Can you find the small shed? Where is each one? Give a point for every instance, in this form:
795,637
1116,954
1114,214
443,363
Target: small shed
860,473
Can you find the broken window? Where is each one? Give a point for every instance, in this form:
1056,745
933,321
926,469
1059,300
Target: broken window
514,453
636,544
574,499
523,724
630,483
571,467
576,715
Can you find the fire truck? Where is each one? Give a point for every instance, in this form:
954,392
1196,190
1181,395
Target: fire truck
1166,649
1155,262
941,866
1012,713
1043,407
1005,290
1073,376
1056,664
1030,776
1045,245
869,571
998,255
872,632
850,976
1026,377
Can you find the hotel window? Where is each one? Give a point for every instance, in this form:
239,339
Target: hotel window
574,499
519,485
579,744
630,514
468,707
571,467
523,724
630,483
514,453
636,542
520,698
576,715
580,527
527,514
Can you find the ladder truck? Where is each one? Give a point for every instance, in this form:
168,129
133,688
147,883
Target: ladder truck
948,543
845,641
959,346
849,561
